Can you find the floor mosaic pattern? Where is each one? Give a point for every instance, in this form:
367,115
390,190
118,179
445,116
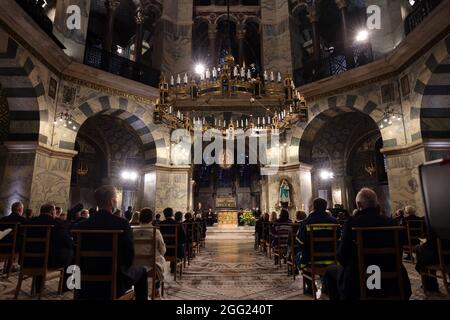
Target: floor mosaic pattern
224,270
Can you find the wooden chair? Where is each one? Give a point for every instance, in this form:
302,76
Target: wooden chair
291,265
370,246
203,236
414,231
268,239
194,239
443,267
151,272
8,246
320,259
96,255
34,258
170,235
262,241
280,251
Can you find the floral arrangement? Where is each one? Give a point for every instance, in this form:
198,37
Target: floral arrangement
247,218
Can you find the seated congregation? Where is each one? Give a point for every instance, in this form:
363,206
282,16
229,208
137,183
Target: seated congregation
115,257
338,255
129,256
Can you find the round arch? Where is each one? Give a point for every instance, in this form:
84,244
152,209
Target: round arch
140,118
302,136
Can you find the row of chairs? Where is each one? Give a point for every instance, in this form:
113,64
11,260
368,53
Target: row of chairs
35,250
367,251
195,239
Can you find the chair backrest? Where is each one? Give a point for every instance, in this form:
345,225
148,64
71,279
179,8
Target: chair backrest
381,247
35,248
170,236
263,230
141,258
282,234
8,243
322,243
415,230
96,255
195,231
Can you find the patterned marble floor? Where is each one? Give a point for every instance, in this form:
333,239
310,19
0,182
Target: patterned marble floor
224,270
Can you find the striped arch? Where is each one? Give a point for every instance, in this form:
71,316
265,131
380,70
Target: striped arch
140,118
25,94
430,116
303,135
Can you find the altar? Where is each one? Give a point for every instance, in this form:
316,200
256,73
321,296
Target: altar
227,218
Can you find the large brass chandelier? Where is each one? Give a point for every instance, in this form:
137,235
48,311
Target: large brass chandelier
278,104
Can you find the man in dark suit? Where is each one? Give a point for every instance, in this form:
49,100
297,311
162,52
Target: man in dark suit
128,275
61,245
342,281
129,213
166,226
319,215
16,214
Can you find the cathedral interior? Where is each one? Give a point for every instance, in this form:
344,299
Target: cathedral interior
340,96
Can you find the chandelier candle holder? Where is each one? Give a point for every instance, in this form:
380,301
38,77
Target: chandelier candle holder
180,98
65,119
389,117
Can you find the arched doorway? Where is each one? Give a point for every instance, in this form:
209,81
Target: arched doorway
344,150
109,152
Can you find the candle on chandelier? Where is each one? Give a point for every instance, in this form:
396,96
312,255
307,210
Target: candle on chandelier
246,122
272,77
178,79
264,121
242,123
208,75
258,121
268,120
279,77
172,81
237,123
265,75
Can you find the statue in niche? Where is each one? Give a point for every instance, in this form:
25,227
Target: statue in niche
285,198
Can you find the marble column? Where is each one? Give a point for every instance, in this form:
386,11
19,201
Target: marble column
305,187
240,33
36,174
139,19
276,31
403,176
65,27
111,6
173,34
342,5
314,19
212,35
339,191
167,186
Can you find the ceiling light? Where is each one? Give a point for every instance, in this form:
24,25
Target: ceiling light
362,35
199,69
